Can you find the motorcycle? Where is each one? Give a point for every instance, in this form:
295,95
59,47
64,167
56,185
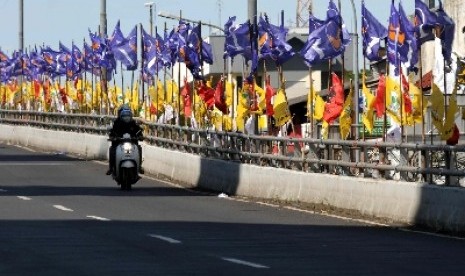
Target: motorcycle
127,161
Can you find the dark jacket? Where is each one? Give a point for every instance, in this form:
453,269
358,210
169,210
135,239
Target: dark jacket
120,128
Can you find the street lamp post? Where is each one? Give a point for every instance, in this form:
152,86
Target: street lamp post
103,33
175,17
150,6
356,78
21,43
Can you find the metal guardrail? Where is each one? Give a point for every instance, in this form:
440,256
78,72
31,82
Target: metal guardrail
413,162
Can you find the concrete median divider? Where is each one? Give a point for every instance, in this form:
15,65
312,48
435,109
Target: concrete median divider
437,207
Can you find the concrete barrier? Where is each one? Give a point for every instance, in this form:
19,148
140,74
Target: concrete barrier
440,208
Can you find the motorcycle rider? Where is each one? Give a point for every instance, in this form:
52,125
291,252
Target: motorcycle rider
124,123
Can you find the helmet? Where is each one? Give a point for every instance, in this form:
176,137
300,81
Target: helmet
123,107
125,115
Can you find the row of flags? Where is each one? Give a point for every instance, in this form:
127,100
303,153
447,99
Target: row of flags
182,44
396,96
254,41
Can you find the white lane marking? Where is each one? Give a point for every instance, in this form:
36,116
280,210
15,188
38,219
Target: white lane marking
24,198
167,239
98,218
2,190
241,262
62,208
431,234
35,164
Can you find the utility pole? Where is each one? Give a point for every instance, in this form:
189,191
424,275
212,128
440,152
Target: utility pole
150,5
302,12
356,77
21,44
103,33
21,25
252,15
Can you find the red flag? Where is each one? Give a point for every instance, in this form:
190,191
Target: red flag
64,97
207,94
153,109
219,97
333,108
380,96
187,99
269,93
46,85
405,94
36,84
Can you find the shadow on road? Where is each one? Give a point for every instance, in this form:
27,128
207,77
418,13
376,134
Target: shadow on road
88,247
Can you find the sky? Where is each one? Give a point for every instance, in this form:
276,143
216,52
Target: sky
51,21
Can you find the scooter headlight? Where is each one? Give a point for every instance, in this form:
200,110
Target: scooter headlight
127,147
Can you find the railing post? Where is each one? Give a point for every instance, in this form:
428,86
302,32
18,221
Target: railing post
313,149
403,157
346,158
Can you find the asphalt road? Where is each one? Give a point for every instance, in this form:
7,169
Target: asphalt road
64,216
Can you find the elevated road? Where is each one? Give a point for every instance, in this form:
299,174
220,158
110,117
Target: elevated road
64,216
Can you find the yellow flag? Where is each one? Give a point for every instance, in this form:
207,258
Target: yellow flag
417,98
319,107
262,123
199,109
243,103
324,130
281,109
437,108
160,93
452,110
2,93
260,98
134,98
216,118
229,93
393,99
172,94
368,113
345,119
318,104
227,123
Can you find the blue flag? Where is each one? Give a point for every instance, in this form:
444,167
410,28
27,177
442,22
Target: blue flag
149,54
37,64
328,40
125,50
237,40
314,23
117,36
272,42
425,20
397,48
446,31
373,33
407,28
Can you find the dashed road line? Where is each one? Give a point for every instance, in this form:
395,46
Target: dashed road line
98,218
241,262
24,198
163,238
62,208
41,163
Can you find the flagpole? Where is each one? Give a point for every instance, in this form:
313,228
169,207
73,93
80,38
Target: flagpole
122,83
142,66
401,102
421,98
179,82
312,95
385,95
372,119
155,84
